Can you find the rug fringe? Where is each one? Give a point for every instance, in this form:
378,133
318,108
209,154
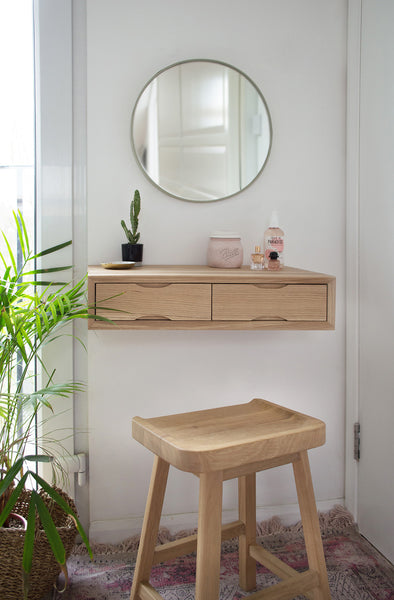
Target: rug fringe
335,520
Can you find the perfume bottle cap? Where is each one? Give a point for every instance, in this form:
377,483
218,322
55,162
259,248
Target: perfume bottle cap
274,255
257,249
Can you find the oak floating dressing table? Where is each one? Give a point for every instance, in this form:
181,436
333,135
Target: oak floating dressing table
201,297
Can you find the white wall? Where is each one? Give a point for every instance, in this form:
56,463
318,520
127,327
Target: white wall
296,53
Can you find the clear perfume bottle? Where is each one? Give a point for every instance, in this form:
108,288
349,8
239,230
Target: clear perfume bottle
257,259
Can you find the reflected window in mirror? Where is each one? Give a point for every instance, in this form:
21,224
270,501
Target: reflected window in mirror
201,130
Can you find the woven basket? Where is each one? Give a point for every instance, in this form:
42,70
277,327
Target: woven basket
45,569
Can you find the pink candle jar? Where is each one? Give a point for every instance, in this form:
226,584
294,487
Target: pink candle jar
225,250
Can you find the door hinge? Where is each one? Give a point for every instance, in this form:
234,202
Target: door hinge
356,447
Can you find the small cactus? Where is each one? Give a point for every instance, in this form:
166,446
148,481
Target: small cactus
135,207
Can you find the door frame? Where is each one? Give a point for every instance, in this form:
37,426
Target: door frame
60,48
352,249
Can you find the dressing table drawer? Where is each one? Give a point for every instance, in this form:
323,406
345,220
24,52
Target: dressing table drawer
154,301
269,302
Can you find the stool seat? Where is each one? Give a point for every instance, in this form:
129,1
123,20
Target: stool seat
230,436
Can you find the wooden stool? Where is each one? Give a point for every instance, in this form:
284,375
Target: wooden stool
220,444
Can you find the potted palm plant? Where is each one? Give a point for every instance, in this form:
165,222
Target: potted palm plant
32,313
133,250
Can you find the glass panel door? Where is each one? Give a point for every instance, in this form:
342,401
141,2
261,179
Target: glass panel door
17,147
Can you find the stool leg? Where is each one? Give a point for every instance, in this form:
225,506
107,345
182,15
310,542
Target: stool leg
150,526
209,536
310,524
247,514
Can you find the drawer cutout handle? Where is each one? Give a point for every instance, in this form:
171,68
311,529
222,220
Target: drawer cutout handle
153,285
152,318
270,286
265,318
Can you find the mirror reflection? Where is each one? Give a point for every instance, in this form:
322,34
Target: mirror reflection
201,130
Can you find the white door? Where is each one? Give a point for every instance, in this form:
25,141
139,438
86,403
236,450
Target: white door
376,277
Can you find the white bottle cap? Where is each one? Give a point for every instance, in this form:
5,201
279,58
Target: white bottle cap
274,219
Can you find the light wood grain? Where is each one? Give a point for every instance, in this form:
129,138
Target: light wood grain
147,592
291,302
310,523
174,302
223,438
288,589
159,324
150,525
247,514
209,536
188,544
331,287
183,297
204,274
275,565
261,465
215,444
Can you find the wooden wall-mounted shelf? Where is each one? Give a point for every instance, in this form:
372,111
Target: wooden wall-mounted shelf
200,297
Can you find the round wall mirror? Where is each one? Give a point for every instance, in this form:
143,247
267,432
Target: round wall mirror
201,130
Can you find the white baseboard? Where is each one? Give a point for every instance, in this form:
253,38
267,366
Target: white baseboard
116,530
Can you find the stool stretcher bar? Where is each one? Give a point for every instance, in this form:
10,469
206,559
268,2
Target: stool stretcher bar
286,590
289,589
274,564
188,544
147,592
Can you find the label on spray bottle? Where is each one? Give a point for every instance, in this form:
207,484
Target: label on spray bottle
274,243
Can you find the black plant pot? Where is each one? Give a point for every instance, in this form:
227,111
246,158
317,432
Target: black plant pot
132,252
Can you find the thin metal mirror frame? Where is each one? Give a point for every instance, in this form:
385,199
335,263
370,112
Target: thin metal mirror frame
207,60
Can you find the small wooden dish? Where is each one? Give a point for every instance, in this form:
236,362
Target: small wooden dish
118,264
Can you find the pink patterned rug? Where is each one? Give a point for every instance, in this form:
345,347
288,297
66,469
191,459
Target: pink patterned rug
356,571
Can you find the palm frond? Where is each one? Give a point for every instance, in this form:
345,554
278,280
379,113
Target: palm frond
33,313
